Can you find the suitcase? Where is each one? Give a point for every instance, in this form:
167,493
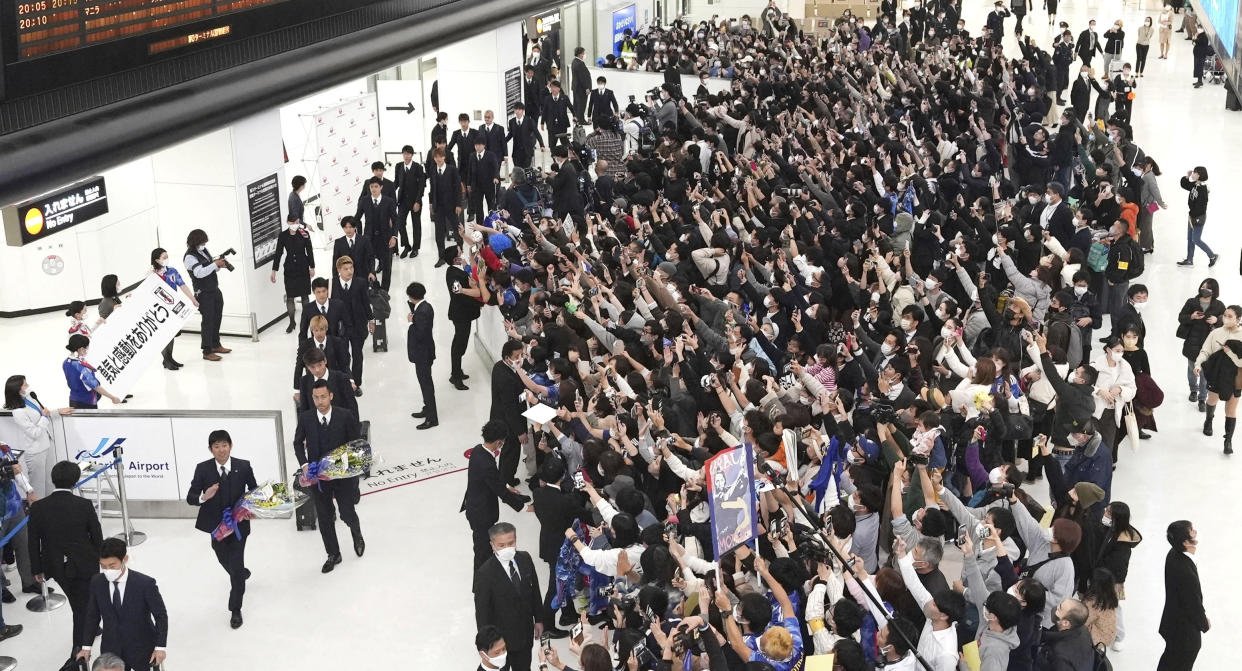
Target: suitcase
379,339
304,515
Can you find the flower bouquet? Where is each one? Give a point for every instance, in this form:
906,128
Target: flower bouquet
272,499
347,461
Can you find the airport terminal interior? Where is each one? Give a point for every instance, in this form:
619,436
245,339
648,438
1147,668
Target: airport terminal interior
408,602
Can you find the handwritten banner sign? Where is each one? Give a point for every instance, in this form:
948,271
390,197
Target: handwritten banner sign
132,338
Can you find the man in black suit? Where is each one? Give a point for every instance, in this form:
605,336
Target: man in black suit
420,346
320,431
506,595
355,246
439,132
603,102
541,67
411,183
507,388
467,296
336,349
557,510
1080,93
463,140
316,362
484,489
445,200
1088,44
579,83
566,198
494,135
217,485
484,176
64,540
493,653
555,116
359,317
1183,622
378,214
533,93
524,133
135,622
324,306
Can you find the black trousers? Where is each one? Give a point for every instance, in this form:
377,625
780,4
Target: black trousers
1180,654
231,553
415,239
445,220
511,455
555,137
78,593
522,160
78,405
356,343
168,350
519,658
482,544
211,308
427,386
383,265
478,195
461,342
346,494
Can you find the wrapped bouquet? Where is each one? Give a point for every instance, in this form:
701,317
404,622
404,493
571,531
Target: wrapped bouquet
347,461
272,499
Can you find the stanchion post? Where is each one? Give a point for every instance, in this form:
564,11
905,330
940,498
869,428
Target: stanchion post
46,600
127,534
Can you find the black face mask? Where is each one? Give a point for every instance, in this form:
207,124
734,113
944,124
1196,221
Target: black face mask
1205,293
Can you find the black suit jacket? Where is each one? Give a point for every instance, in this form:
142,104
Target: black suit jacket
1084,47
495,139
556,113
338,384
581,76
410,184
524,135
361,254
446,188
484,171
556,510
566,198
138,628
312,442
506,385
464,141
1061,224
1183,618
357,305
601,105
388,190
64,537
336,318
336,349
510,607
420,344
380,220
533,94
210,512
485,489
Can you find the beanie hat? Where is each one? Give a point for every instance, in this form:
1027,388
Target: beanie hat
668,268
1067,534
1088,493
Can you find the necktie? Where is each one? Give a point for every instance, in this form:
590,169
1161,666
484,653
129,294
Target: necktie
480,157
323,309
513,574
347,286
376,200
324,421
351,242
321,346
116,595
223,473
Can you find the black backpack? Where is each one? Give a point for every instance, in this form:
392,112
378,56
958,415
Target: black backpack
380,306
1136,261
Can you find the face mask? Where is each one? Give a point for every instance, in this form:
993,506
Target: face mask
1073,439
498,662
1085,75
946,333
1048,198
1079,291
995,240
1013,592
505,555
1138,307
929,284
113,574
202,248
905,324
1194,178
1205,293
1106,521
886,349
875,298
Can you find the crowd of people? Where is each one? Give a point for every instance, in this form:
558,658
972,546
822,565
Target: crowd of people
889,264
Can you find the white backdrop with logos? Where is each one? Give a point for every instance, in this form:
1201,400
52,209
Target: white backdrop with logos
349,142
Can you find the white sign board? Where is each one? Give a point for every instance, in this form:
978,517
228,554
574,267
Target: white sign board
135,333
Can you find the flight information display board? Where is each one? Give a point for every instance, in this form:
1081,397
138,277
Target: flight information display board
48,27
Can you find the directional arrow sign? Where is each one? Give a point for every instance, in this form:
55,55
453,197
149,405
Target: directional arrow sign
408,109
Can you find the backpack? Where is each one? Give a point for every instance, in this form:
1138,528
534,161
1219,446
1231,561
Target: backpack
1136,261
1097,257
380,306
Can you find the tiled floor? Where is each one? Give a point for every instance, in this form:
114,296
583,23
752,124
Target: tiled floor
407,604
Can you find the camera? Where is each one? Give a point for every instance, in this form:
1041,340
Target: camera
883,412
960,539
777,478
1005,489
789,192
918,459
228,252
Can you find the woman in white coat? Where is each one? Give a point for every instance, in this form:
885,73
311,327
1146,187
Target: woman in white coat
1114,388
35,422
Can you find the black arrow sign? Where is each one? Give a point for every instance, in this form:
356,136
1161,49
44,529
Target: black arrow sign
408,109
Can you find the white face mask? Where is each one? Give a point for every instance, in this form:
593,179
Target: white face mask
1033,199
875,298
929,284
1138,307
1106,521
886,349
1079,291
946,332
1048,198
505,555
498,662
905,324
202,248
113,574
1073,440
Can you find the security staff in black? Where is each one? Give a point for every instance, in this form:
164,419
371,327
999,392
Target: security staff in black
467,298
202,269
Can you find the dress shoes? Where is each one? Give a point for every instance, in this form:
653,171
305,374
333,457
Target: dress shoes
247,574
427,424
360,546
419,415
440,263
235,621
413,253
34,589
9,631
8,596
553,632
459,385
358,392
169,366
463,376
331,563
222,350
290,328
567,619
211,357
